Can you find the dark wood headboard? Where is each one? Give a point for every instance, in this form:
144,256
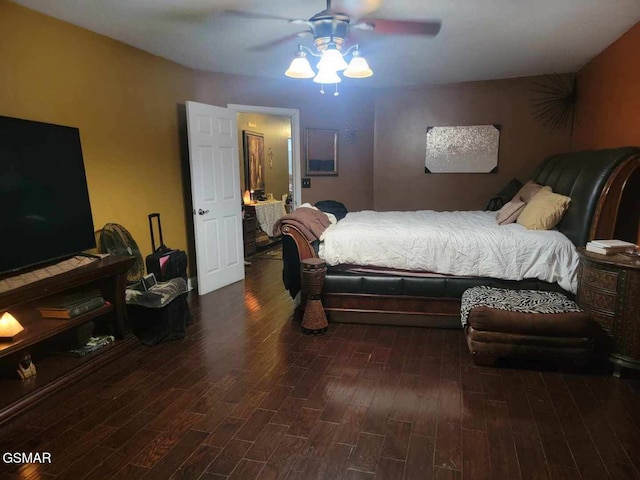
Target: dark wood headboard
595,181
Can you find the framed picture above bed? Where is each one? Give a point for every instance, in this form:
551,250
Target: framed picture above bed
253,144
464,149
321,151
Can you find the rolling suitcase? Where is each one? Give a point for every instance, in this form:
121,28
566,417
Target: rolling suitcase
165,263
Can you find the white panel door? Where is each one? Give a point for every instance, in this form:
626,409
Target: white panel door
215,191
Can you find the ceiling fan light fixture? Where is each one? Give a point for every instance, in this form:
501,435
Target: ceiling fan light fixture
300,67
358,67
332,59
327,75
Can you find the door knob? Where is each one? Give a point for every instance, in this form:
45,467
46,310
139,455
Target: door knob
202,212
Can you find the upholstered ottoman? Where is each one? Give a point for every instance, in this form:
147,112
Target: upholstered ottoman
501,323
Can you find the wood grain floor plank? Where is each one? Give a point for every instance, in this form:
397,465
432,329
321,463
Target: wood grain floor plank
440,473
159,447
130,471
473,417
247,470
583,450
390,469
82,467
224,432
123,456
476,464
304,423
320,439
449,435
248,404
123,434
335,462
352,424
266,443
420,458
358,475
197,463
277,468
171,461
404,403
306,468
276,397
288,411
525,431
229,457
367,451
502,447
396,440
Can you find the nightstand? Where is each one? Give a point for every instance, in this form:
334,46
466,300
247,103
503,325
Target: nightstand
249,227
609,291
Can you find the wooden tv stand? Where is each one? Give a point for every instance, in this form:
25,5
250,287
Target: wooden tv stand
53,372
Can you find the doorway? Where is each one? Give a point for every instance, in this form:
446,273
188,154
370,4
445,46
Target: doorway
292,164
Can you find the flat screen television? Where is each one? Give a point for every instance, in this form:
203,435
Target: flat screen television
44,201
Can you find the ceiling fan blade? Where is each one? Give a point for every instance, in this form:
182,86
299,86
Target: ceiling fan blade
399,27
278,41
203,16
253,15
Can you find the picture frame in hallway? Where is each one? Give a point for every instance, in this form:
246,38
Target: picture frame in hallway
321,152
254,165
462,149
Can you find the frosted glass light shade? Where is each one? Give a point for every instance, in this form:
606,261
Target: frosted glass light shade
358,67
300,67
9,327
327,75
332,58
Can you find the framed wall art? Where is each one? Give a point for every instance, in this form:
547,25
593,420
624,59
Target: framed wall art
321,151
254,166
466,149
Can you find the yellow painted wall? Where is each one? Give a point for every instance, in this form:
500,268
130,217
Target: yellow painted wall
123,100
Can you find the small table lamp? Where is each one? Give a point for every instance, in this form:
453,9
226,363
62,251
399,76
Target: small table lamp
9,327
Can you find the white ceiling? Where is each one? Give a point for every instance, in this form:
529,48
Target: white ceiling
479,40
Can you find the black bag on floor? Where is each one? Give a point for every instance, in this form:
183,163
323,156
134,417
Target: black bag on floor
165,263
157,325
159,314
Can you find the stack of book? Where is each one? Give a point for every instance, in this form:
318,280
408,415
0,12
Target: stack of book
72,305
610,247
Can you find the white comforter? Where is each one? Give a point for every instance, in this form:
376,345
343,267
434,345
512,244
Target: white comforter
454,243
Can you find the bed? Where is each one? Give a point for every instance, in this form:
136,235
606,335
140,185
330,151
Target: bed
599,184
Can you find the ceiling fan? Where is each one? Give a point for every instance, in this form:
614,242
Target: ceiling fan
332,25
330,29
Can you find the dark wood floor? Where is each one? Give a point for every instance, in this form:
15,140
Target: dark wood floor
247,396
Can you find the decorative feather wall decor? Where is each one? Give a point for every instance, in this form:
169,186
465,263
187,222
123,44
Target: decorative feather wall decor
554,101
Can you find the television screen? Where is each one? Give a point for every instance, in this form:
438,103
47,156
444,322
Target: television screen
44,202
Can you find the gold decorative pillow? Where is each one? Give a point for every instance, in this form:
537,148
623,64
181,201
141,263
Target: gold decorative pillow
528,191
544,211
510,212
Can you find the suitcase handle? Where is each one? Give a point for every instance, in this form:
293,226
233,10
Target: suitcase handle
153,239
